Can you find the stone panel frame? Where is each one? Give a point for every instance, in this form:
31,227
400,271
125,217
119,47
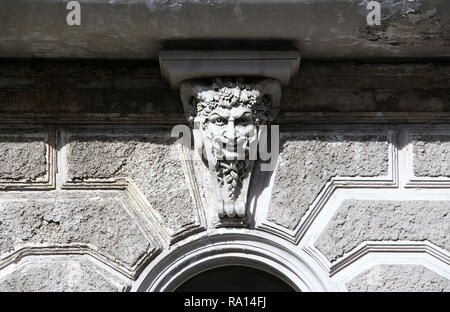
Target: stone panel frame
84,251
391,180
400,253
412,181
49,181
88,249
138,203
379,252
331,276
337,190
114,274
120,183
223,247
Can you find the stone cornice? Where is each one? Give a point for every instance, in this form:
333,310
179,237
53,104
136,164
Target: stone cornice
177,66
133,92
137,29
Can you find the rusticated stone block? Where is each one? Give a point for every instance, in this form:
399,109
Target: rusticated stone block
156,168
399,278
23,158
152,162
357,221
40,274
97,157
96,219
431,155
308,162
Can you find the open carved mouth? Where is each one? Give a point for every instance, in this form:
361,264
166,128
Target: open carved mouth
231,149
240,144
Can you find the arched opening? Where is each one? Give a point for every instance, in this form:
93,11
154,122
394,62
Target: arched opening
206,258
234,278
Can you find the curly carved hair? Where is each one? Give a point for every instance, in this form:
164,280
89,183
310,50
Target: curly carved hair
229,94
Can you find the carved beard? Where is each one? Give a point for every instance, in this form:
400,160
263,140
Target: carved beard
230,174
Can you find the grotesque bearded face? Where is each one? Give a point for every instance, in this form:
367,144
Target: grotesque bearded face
228,117
230,131
225,113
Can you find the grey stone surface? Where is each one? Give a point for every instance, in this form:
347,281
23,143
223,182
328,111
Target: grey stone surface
22,158
153,163
134,92
99,220
307,162
431,155
182,65
357,221
97,157
212,107
139,28
399,278
157,170
42,275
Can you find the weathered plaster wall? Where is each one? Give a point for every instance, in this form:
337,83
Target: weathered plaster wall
121,195
35,274
134,92
153,163
308,162
139,28
431,154
23,158
65,219
93,189
359,221
399,278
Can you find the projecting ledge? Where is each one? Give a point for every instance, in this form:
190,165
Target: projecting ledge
177,66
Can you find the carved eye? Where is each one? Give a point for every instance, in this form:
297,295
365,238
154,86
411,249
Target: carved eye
243,120
219,121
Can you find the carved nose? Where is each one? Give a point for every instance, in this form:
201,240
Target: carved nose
230,132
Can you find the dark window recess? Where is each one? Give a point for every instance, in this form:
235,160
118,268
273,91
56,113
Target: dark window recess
234,279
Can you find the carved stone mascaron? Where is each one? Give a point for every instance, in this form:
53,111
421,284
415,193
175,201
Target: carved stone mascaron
225,115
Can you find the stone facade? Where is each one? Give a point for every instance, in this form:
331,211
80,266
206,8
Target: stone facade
23,158
59,274
302,175
152,163
406,278
27,159
99,198
74,219
359,221
431,156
